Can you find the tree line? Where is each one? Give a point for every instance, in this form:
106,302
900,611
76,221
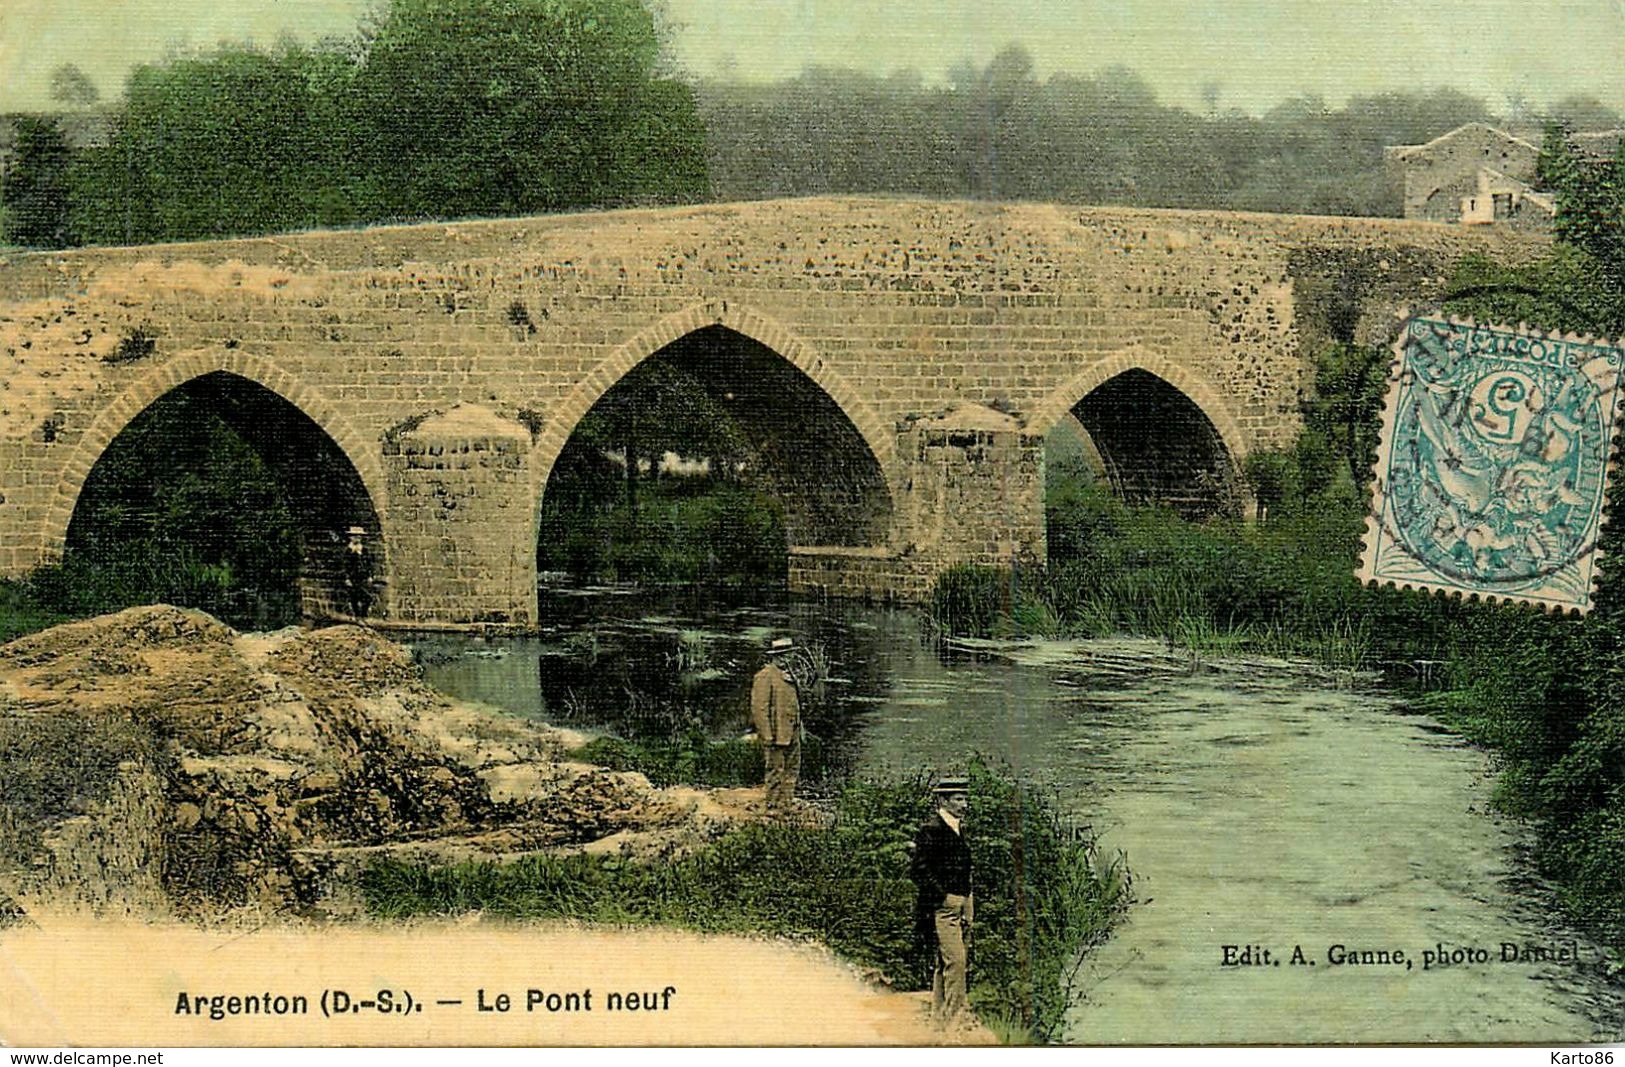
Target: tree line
463,108
432,109
1001,132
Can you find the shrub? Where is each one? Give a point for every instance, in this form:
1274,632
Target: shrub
1043,895
972,600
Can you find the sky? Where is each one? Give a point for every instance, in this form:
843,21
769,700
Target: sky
1257,52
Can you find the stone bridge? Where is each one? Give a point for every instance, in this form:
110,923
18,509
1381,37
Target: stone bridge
897,365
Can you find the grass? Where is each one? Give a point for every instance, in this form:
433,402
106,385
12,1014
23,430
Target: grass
692,759
1545,693
680,533
1044,892
21,611
1283,588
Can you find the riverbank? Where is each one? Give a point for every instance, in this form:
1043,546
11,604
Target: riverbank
166,767
159,763
1270,804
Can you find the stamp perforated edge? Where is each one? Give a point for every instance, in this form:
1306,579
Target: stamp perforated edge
1374,534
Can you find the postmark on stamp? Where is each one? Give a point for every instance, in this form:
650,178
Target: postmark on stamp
1494,463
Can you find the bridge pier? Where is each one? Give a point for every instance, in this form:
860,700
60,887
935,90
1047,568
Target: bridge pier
461,530
972,491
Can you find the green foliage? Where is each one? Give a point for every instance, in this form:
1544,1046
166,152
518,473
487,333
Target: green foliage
1342,414
34,192
179,510
21,610
1000,131
504,107
691,758
685,530
1590,203
790,881
73,87
438,109
237,142
1567,290
972,600
1282,586
1043,893
610,514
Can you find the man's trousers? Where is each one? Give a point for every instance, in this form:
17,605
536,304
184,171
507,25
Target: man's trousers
952,922
783,770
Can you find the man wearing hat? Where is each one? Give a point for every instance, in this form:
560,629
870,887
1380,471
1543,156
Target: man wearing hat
357,574
776,716
941,871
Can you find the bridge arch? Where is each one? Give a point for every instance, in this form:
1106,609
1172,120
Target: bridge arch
562,421
235,377
173,374
1135,367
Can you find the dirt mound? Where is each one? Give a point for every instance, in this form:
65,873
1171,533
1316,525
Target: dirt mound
158,761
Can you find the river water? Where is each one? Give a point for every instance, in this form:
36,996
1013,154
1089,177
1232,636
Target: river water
1260,804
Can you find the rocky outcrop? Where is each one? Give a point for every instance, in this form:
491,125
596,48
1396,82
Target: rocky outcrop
156,761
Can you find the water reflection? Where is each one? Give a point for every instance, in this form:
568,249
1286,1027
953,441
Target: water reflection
1258,802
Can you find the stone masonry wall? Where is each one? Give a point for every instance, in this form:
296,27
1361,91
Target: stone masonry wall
1437,175
899,310
464,546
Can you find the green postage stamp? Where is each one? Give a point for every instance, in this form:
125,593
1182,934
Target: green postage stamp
1494,464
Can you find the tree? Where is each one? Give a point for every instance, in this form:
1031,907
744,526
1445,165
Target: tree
73,87
1590,203
34,190
659,408
235,142
1584,113
437,109
502,107
1351,382
989,103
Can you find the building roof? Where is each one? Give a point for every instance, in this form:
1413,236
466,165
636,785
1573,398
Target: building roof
1407,150
1593,141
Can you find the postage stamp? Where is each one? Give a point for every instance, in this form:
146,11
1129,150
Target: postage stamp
1493,468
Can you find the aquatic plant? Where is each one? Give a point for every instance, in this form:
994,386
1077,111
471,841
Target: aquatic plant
583,644
693,651
971,600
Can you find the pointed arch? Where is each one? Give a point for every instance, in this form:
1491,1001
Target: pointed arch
1153,452
563,419
174,373
1197,389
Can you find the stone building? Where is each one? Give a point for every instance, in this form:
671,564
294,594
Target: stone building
1478,174
1474,174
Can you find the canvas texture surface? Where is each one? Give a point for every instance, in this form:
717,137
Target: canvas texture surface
750,522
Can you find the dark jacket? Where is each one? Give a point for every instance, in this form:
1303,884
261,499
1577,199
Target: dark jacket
941,862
